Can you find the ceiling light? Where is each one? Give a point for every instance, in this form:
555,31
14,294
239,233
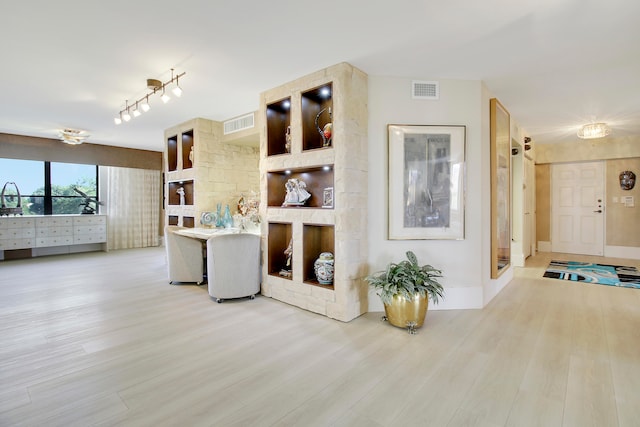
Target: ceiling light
594,130
73,136
153,86
136,112
177,91
165,98
145,104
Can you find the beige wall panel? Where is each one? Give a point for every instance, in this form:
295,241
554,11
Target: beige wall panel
543,203
623,223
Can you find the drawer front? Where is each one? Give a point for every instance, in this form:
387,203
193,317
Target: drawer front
54,231
17,233
44,242
90,238
17,222
54,221
90,220
89,229
10,244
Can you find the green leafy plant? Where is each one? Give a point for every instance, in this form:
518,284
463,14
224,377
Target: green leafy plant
407,278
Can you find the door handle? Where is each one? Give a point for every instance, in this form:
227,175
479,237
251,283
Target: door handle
598,211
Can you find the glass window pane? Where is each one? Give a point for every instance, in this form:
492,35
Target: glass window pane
67,181
29,177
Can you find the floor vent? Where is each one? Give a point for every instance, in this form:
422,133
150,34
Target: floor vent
425,90
238,124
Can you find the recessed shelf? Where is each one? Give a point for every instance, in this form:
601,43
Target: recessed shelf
279,238
317,103
172,153
174,195
316,239
317,179
278,120
188,221
187,146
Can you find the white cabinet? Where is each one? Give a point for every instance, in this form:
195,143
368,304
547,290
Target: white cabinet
89,229
54,231
17,233
51,231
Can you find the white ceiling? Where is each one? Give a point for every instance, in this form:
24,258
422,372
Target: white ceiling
555,64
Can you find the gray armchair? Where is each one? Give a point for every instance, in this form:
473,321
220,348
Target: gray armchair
184,257
233,266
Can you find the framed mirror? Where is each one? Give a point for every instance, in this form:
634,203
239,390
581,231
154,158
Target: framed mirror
500,188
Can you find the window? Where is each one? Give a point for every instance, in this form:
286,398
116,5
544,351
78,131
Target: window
48,188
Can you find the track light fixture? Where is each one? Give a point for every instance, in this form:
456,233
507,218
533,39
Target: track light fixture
142,104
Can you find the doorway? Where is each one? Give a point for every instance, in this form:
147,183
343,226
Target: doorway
577,208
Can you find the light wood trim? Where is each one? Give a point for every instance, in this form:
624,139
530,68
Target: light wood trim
53,150
497,108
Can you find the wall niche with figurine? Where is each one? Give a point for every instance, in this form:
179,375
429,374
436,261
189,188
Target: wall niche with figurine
313,160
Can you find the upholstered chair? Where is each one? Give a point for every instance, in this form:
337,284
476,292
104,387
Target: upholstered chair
233,266
184,257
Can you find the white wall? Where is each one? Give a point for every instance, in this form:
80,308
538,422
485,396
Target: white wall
465,263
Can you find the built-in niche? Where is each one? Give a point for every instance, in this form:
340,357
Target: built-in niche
172,153
279,240
278,127
316,239
317,117
187,149
179,189
317,180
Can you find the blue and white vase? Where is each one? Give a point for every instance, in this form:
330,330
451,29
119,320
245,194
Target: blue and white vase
323,267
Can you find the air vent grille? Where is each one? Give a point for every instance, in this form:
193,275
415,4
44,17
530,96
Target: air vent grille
238,124
425,90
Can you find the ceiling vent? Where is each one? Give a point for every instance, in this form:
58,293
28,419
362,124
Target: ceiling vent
238,124
425,90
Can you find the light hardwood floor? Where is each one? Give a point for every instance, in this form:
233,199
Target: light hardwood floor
101,339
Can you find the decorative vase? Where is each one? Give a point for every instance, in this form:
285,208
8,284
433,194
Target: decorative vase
407,313
323,267
227,219
219,222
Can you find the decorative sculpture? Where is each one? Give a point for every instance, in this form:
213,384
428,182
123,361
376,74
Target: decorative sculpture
287,137
297,193
4,210
627,180
88,209
180,191
327,130
286,270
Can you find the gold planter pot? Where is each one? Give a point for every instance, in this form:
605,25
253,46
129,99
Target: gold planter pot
407,313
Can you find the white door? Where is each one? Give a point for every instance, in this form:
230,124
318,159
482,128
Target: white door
577,221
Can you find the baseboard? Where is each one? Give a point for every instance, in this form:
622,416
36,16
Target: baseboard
517,260
454,299
628,252
544,246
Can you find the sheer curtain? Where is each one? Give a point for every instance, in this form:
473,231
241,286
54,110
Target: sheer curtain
132,207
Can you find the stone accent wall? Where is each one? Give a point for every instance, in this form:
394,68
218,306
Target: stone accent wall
222,172
348,155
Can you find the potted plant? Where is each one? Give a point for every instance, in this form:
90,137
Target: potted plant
405,289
